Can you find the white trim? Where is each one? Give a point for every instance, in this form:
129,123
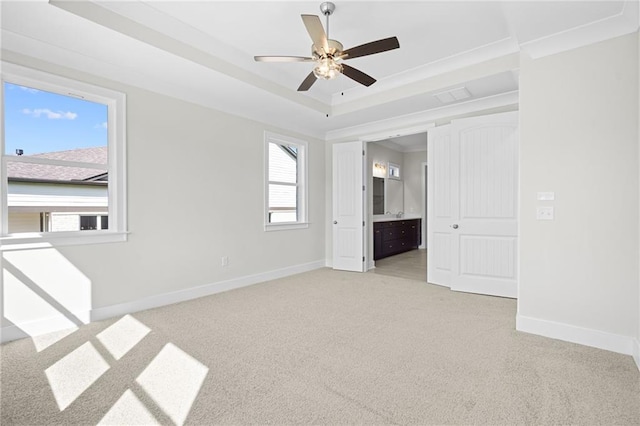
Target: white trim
39,327
574,334
625,22
423,208
116,134
419,122
302,184
499,50
14,332
636,352
29,241
283,226
200,291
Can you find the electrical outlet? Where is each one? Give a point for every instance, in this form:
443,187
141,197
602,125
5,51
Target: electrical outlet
544,213
225,261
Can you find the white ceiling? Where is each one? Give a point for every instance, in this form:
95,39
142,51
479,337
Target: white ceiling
202,51
408,143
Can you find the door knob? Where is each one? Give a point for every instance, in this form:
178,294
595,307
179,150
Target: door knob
454,226
335,222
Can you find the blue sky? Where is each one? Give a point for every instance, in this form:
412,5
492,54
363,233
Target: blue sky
38,121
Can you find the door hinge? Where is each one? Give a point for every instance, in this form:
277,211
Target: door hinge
363,258
363,223
363,187
363,152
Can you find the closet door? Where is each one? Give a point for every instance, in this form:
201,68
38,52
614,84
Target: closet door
485,220
348,207
473,205
440,175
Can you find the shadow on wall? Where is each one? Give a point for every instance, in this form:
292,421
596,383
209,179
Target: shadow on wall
43,291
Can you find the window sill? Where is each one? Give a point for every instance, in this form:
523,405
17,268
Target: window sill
285,226
40,241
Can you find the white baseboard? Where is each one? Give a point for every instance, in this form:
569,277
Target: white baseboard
636,352
47,325
571,333
371,265
41,326
328,263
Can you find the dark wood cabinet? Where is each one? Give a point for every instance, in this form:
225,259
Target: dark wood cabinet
396,236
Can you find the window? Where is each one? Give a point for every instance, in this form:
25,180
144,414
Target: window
286,187
63,161
394,171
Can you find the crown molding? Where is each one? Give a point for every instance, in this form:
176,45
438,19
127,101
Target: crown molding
497,49
626,22
116,22
419,121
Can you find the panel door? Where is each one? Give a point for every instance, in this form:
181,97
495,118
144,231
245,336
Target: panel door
440,205
348,207
485,207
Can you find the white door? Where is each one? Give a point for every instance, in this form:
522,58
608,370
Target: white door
348,215
439,205
474,218
485,228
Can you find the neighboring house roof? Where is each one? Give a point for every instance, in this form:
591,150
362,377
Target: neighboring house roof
49,173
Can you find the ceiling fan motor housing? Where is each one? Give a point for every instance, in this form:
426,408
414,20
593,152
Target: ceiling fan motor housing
335,49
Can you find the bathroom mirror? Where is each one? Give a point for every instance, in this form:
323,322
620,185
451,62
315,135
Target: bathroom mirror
388,196
394,196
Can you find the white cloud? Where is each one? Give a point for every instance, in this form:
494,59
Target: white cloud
52,115
102,125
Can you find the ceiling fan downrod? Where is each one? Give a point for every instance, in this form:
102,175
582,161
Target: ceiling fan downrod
327,9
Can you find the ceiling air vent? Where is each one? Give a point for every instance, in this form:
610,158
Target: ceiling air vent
452,95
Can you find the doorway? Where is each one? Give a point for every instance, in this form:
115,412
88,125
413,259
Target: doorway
397,165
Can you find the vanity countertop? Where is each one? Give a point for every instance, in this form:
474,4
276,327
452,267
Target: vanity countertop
390,217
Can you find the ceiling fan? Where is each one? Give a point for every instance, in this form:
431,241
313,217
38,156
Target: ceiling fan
328,54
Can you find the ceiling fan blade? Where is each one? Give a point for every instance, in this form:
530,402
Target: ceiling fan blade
282,59
357,75
308,82
371,48
316,31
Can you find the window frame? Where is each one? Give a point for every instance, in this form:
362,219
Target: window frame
116,166
301,184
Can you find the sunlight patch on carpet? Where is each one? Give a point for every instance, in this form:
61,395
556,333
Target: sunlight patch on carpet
123,335
128,410
43,341
173,380
73,374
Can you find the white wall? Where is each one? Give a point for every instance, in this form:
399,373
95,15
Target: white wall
413,180
195,194
579,138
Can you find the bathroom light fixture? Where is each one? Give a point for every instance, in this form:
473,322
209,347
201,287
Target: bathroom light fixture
380,170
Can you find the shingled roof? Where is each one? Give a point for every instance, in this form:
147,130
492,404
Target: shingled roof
46,172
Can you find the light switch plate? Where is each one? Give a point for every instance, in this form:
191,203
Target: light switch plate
546,196
544,213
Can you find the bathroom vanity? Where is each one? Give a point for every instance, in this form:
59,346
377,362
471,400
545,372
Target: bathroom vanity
393,236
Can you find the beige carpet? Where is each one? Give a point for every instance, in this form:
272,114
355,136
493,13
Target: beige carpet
323,347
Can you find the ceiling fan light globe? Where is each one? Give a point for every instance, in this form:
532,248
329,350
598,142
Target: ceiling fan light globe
327,69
